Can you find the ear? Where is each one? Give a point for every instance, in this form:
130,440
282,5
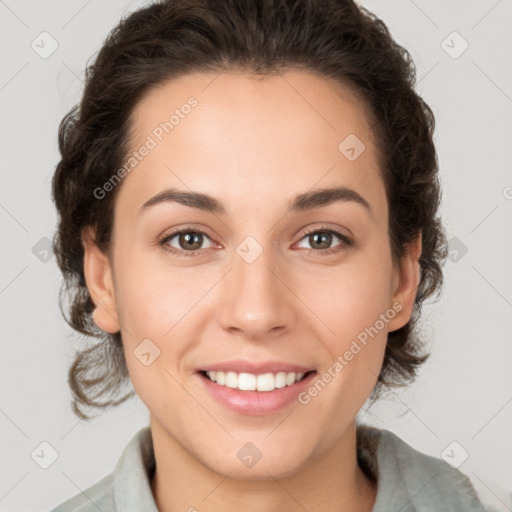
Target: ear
98,278
405,284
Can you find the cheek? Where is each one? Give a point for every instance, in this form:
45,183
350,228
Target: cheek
354,301
352,297
152,297
356,307
157,306
153,317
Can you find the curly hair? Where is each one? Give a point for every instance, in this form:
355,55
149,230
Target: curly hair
334,39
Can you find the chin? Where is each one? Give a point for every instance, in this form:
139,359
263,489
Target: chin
259,471
246,462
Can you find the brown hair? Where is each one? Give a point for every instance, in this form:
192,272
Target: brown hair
334,39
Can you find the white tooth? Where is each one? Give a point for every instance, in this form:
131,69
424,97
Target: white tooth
231,380
290,378
266,382
280,379
251,382
247,382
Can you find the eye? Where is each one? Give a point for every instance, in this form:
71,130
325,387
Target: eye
321,239
189,242
186,242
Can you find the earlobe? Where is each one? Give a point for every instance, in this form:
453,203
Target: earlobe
98,278
406,282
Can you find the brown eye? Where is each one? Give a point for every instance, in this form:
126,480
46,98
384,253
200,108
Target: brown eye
186,241
190,240
321,240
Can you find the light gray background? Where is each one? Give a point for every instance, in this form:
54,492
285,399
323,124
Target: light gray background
464,393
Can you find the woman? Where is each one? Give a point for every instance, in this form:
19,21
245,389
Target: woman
248,221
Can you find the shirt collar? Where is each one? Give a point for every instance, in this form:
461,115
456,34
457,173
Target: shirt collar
133,474
408,480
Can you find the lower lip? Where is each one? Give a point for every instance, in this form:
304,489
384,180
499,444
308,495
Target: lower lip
256,402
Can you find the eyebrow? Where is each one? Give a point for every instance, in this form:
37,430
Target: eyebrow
301,202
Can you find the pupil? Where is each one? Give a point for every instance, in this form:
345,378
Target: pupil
189,240
317,236
321,240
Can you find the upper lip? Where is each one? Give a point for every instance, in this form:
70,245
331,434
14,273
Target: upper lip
243,366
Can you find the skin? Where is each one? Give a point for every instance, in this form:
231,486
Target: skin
246,138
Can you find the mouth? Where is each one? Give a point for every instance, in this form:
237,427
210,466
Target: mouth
263,382
252,387
252,394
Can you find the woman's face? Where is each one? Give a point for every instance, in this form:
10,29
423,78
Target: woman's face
264,283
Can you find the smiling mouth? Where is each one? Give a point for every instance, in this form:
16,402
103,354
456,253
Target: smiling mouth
263,382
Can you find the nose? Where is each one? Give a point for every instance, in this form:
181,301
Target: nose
256,301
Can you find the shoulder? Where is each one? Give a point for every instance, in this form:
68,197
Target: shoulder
411,480
98,496
128,487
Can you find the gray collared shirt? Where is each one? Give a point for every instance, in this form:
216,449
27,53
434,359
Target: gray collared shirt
408,480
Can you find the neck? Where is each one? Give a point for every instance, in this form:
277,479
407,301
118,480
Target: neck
334,481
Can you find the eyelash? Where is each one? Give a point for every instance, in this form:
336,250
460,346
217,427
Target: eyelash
346,242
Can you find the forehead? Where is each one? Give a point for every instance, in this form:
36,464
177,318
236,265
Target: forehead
276,135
